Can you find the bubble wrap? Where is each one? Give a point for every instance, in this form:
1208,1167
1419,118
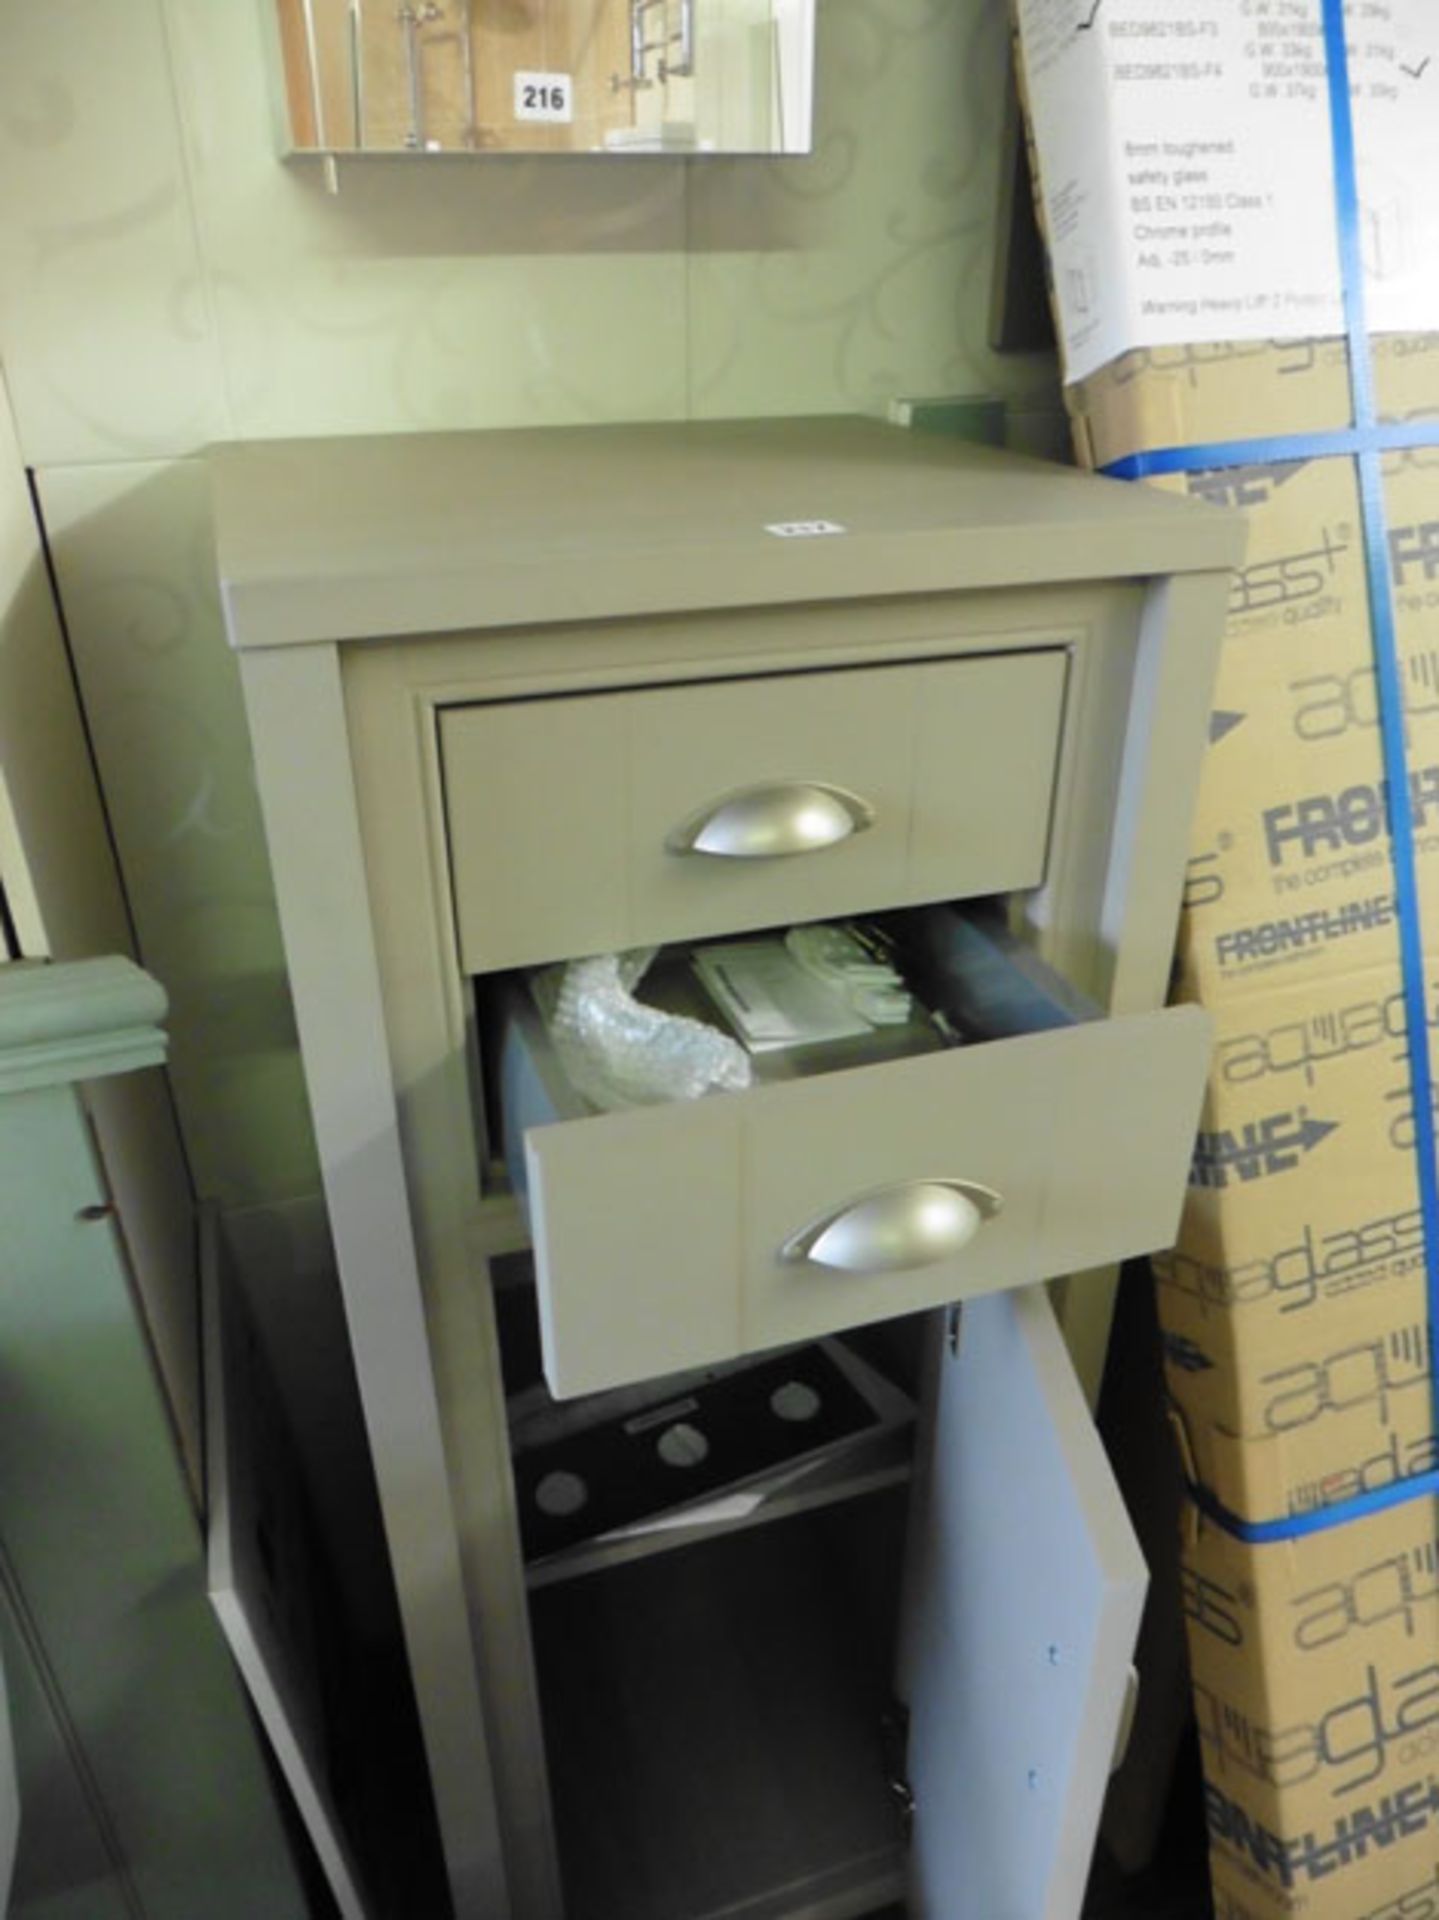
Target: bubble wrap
619,1053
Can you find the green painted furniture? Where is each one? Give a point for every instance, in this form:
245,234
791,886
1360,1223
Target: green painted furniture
144,1792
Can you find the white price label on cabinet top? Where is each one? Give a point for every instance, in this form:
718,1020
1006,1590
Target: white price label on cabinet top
545,96
803,529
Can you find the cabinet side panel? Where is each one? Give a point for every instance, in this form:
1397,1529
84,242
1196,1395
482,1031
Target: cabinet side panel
394,743
302,761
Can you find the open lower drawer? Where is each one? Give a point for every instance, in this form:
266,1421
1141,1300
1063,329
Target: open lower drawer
672,1236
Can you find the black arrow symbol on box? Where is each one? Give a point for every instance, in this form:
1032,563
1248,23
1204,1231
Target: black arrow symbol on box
1085,25
1280,472
1257,1149
1221,723
1236,486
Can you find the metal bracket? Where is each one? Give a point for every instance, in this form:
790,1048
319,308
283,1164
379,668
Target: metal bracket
894,1746
1127,1712
954,1327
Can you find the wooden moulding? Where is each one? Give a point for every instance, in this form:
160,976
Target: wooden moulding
77,1020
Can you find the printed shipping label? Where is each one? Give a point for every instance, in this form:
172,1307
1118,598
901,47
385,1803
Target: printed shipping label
1185,156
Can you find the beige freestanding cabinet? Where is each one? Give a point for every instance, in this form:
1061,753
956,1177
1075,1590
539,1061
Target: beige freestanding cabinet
522,697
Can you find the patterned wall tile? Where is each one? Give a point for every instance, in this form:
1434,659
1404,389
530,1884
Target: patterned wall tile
60,875
862,272
449,293
105,318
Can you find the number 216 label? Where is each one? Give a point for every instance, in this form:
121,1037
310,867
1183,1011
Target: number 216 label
544,96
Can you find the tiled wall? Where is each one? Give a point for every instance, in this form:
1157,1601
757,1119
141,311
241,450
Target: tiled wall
166,281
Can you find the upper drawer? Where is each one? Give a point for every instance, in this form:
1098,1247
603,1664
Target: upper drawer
568,816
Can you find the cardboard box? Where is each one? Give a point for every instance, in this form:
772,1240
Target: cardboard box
1316,1684
1320,1426
1182,156
1183,159
1293,1306
1216,390
1419,1901
1290,886
1291,869
1148,129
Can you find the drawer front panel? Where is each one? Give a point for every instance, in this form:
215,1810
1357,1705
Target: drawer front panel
659,1234
562,812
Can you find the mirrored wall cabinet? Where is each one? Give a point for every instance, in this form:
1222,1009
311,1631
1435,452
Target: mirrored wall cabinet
546,76
756,1550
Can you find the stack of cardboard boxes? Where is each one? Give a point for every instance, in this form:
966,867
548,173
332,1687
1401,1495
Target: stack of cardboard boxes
1298,1346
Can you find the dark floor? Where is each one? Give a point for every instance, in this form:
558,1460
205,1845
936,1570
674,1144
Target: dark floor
1161,1893
1175,1885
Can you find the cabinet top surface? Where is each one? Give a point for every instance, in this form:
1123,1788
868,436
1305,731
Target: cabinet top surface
365,537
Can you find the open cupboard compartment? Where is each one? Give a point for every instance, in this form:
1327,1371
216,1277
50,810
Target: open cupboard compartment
827,1714
626,1473
718,1723
716,1680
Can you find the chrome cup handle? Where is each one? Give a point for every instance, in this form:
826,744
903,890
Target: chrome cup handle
768,822
913,1224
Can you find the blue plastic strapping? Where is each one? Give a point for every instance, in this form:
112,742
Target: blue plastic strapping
1366,441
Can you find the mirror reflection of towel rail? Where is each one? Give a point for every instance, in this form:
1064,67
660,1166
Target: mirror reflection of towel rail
413,20
680,68
312,55
683,68
356,25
